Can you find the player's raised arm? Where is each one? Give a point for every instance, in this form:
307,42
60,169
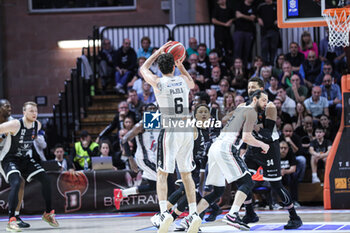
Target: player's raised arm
248,127
146,73
10,127
185,74
133,132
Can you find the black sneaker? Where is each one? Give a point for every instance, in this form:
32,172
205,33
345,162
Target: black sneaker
294,223
248,218
213,215
235,221
22,224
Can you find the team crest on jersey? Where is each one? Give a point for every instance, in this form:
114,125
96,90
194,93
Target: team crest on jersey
151,120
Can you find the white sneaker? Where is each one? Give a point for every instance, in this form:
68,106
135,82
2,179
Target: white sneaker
183,225
156,220
315,180
165,221
194,221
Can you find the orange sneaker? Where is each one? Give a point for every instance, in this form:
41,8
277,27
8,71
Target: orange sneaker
118,197
12,225
50,218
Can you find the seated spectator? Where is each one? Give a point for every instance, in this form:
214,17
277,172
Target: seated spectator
294,143
272,89
213,96
297,92
64,163
301,113
193,46
117,123
203,59
136,82
125,62
238,69
307,45
229,102
147,96
266,74
215,62
316,105
328,69
146,49
295,57
288,105
239,83
224,87
310,69
214,81
288,171
135,103
106,59
305,132
333,94
277,69
255,71
105,150
285,117
279,124
83,151
239,100
193,62
287,74
128,123
319,150
330,129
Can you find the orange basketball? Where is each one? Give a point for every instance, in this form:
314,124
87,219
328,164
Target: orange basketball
177,50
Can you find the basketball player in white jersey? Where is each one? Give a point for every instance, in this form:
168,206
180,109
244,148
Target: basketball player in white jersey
145,156
174,144
225,162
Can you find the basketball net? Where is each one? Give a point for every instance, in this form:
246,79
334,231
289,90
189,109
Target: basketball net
338,20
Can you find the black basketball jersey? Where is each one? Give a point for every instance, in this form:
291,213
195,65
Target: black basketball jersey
201,144
22,142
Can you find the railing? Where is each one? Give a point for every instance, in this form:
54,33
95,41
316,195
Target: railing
72,105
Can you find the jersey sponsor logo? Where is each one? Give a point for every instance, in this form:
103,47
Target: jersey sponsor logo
174,84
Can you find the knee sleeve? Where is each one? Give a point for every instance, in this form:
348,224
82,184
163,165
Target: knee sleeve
245,184
215,195
282,192
175,196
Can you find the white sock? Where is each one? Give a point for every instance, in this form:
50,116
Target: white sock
129,191
314,175
16,213
234,208
192,208
163,206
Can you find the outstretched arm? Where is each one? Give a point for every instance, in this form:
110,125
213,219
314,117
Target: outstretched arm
133,132
10,127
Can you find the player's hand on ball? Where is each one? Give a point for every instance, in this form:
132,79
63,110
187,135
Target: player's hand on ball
265,148
164,46
179,62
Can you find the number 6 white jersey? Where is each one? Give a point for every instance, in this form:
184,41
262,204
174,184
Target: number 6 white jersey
172,97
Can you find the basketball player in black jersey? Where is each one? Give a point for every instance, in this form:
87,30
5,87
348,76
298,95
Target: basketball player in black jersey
5,115
17,162
270,162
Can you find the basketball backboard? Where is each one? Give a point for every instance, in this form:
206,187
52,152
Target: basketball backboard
304,13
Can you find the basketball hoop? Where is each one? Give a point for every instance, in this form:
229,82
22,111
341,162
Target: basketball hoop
338,20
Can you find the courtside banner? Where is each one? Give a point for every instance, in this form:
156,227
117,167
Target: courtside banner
82,191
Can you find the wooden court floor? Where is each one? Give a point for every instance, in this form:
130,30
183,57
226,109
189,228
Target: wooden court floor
315,220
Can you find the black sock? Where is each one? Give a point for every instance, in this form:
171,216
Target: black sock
293,213
249,209
201,215
215,207
174,215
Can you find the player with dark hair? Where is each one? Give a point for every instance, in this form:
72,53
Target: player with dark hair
225,162
270,162
174,145
16,162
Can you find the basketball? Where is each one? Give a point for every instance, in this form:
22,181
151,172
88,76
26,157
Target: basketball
177,50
